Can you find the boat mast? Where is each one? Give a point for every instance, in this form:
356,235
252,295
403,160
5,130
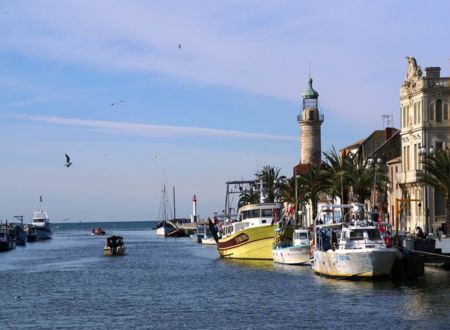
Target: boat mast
174,210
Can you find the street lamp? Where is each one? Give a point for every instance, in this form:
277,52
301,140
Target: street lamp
423,152
373,163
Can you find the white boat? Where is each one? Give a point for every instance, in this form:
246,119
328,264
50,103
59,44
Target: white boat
295,253
354,248
208,241
166,229
41,223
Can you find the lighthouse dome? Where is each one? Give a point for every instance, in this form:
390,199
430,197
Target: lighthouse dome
310,93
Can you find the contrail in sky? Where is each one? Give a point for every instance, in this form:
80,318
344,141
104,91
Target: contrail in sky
154,130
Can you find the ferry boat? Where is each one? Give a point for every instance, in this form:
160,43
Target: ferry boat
41,223
350,249
252,235
295,253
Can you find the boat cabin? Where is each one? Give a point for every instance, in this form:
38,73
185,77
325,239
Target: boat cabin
300,237
253,215
360,235
40,217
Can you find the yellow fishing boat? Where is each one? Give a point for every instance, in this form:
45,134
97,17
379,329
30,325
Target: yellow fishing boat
252,234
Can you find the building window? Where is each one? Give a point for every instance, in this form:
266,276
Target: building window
415,113
439,111
419,111
438,145
445,111
439,203
311,115
416,152
403,117
431,112
407,158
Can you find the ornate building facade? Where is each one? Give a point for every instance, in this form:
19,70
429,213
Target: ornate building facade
425,127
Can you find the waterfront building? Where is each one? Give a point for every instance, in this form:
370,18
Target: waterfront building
382,146
425,127
310,120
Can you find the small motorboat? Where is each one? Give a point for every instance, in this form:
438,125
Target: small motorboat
114,246
97,231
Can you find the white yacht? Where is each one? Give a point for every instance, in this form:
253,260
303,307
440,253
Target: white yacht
354,248
41,223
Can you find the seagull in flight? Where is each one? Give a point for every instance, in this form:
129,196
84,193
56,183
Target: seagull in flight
117,103
68,163
17,297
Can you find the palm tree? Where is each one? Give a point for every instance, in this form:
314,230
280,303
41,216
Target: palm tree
287,191
248,197
336,174
311,184
360,177
436,173
271,179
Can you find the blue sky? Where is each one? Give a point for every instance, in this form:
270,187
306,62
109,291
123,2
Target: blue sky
219,108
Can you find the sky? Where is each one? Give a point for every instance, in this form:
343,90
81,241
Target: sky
203,91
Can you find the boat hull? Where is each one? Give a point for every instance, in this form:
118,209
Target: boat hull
208,241
356,263
292,255
119,251
7,245
249,243
43,233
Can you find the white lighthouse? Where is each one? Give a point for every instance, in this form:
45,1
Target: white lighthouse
194,209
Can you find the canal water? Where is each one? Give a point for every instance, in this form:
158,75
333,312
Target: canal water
172,283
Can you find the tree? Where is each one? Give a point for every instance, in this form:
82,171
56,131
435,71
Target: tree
287,191
310,185
272,180
360,178
337,174
436,173
249,196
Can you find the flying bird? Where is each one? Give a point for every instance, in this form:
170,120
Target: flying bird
68,163
117,103
179,46
17,297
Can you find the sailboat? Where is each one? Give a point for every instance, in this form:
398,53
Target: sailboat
165,227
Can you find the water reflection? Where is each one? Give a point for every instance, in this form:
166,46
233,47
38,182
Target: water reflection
256,264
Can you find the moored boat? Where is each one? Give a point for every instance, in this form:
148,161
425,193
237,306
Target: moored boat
252,235
7,241
41,223
114,246
296,252
208,241
353,248
31,232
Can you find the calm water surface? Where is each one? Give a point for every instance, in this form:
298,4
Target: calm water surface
67,283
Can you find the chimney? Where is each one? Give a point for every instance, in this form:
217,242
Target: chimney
433,72
388,132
